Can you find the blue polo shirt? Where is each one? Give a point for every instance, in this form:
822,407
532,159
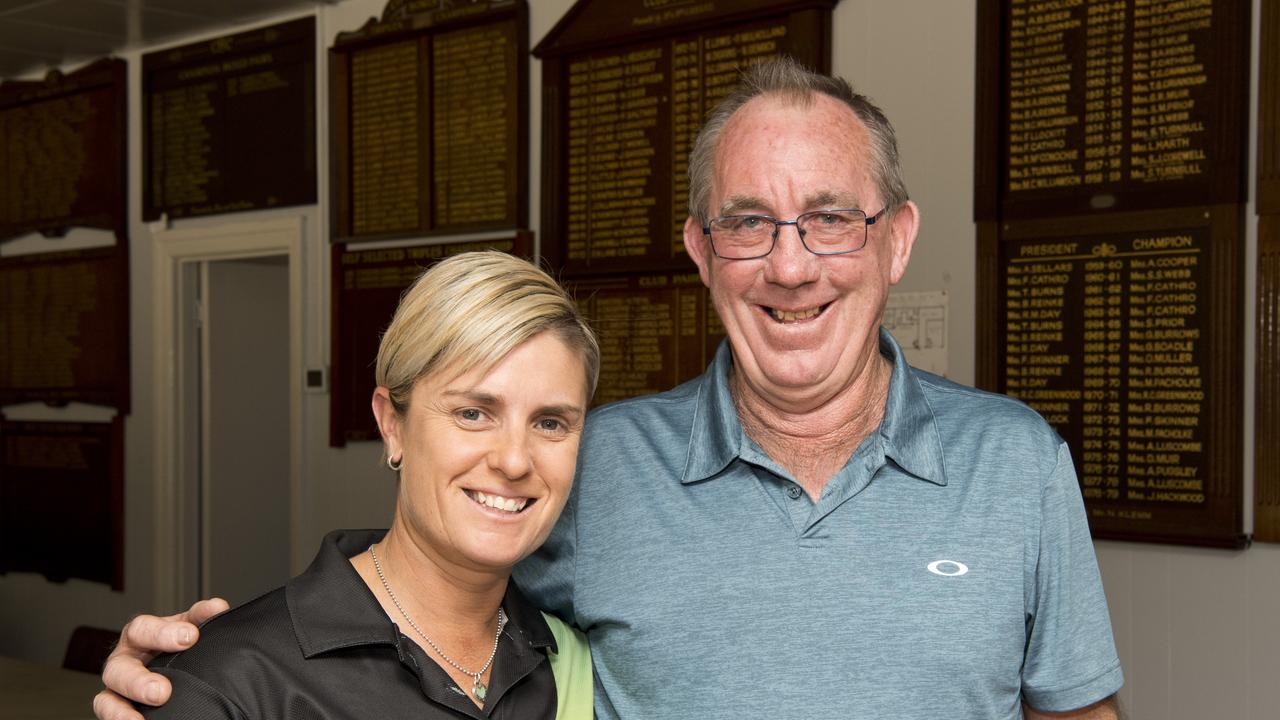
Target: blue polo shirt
945,572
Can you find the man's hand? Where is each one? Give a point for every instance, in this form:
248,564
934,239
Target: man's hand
141,640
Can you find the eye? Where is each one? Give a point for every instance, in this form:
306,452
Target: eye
470,415
552,426
829,219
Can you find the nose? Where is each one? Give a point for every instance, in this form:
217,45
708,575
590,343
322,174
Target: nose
791,264
509,454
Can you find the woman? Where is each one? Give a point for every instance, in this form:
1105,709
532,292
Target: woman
484,378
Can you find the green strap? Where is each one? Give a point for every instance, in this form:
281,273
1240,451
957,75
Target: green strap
572,670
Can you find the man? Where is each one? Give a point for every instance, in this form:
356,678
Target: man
812,528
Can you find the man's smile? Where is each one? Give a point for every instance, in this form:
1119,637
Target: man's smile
795,316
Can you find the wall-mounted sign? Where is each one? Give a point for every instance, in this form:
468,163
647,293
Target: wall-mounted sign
1113,105
62,152
68,476
429,120
229,124
64,327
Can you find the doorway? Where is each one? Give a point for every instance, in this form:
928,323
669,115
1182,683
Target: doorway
227,320
235,454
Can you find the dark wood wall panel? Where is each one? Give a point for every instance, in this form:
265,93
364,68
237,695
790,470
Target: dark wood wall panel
1266,462
1269,110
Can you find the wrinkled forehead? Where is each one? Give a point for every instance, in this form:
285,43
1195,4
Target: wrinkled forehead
779,138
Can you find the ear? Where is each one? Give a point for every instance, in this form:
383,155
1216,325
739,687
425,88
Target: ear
699,248
388,423
905,226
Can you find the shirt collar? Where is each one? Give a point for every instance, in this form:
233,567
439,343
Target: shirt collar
332,608
908,430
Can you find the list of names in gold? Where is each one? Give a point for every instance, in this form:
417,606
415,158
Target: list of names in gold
44,158
703,70
616,103
1106,92
656,331
44,306
1103,339
385,137
474,120
1168,67
180,144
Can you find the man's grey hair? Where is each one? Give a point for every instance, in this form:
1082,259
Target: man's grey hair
787,78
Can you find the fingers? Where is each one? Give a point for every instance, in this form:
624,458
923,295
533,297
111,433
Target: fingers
141,640
110,706
124,673
147,636
205,609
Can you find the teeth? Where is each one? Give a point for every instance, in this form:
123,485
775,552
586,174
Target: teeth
793,316
498,502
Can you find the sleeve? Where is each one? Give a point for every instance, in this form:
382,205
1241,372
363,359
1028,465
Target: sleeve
1071,659
191,698
571,666
547,576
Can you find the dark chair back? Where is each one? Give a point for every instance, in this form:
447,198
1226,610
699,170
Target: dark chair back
89,648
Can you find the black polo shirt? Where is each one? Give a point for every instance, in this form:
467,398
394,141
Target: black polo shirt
322,647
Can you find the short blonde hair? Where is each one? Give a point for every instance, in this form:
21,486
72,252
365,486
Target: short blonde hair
468,312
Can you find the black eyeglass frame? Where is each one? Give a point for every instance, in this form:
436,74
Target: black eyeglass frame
867,222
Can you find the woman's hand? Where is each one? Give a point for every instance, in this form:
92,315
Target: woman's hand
142,639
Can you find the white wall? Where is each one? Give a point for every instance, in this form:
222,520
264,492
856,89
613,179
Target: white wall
1197,629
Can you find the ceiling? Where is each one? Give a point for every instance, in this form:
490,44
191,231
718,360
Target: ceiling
39,34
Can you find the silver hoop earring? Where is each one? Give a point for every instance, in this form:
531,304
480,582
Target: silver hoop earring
395,464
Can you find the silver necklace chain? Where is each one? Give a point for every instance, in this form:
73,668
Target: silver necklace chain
479,689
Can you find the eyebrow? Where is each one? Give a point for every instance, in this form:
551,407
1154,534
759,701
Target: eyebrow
475,396
736,204
483,398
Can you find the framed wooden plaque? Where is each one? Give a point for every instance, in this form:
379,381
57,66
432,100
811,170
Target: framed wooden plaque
626,86
1110,106
1125,333
68,476
62,141
64,327
656,330
367,285
429,121
229,124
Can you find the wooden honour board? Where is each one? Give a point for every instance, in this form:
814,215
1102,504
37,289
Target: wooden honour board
429,121
229,124
68,477
64,327
1114,105
1120,331
367,285
63,144
656,330
1108,193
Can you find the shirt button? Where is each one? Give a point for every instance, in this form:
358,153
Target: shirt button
794,492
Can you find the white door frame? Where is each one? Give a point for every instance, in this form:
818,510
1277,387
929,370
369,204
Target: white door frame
172,248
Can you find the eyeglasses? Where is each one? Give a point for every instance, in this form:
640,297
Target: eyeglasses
822,232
